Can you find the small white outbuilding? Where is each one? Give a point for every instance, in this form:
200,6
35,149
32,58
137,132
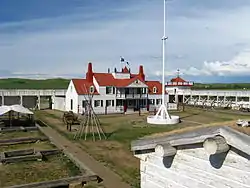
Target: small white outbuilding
211,157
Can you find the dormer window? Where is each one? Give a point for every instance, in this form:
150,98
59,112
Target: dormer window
154,89
91,89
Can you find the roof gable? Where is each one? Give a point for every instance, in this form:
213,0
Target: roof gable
136,82
154,84
177,79
83,87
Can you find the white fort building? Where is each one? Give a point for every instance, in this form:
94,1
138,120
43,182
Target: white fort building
114,92
119,91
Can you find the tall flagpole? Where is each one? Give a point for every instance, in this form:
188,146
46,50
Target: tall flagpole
163,54
162,116
164,38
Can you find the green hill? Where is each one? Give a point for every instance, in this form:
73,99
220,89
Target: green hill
225,86
60,83
18,83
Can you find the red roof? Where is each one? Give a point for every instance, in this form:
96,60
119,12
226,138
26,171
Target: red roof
177,79
125,70
152,84
107,79
83,86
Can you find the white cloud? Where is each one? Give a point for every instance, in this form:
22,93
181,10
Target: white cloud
237,66
64,45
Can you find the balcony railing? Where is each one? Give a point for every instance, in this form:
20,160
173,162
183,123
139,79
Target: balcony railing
131,96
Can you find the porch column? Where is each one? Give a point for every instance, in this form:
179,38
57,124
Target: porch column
21,100
39,102
3,100
176,98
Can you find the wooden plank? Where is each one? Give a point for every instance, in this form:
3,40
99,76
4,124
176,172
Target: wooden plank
16,159
13,129
60,182
20,140
2,156
233,138
50,152
15,153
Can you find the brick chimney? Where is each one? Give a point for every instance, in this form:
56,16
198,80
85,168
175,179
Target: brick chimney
141,73
89,74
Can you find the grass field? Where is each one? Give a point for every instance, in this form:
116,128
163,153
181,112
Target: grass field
122,129
17,83
60,83
51,168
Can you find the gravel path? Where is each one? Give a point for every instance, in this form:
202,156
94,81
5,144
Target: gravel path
84,160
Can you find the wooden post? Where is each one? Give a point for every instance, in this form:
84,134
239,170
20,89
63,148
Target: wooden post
165,150
216,145
3,99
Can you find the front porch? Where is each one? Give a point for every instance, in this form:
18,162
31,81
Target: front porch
133,104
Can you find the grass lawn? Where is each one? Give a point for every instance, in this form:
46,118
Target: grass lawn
55,167
20,134
122,129
51,168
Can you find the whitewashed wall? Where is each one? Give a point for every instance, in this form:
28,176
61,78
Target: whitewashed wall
58,103
191,168
104,97
71,94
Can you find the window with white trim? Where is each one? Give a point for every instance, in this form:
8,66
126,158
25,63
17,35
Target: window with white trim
110,90
84,103
154,89
158,101
151,101
92,89
98,103
108,102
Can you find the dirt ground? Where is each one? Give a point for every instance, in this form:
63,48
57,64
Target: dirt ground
122,129
51,168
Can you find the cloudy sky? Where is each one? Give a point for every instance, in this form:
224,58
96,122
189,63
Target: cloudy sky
209,41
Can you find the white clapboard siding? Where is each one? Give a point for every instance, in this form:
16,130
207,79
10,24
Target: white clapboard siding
192,168
232,160
149,182
160,182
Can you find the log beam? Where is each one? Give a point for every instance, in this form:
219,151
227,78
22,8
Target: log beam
216,145
165,150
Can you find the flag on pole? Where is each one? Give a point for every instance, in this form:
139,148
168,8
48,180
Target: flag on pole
122,59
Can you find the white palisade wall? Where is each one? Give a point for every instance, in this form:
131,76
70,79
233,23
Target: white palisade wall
191,168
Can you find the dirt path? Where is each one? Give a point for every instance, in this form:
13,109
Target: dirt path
110,179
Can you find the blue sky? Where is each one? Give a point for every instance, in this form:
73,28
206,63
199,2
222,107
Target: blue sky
209,41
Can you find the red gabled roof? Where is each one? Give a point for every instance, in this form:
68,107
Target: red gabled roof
107,79
126,82
177,79
125,70
152,84
82,87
